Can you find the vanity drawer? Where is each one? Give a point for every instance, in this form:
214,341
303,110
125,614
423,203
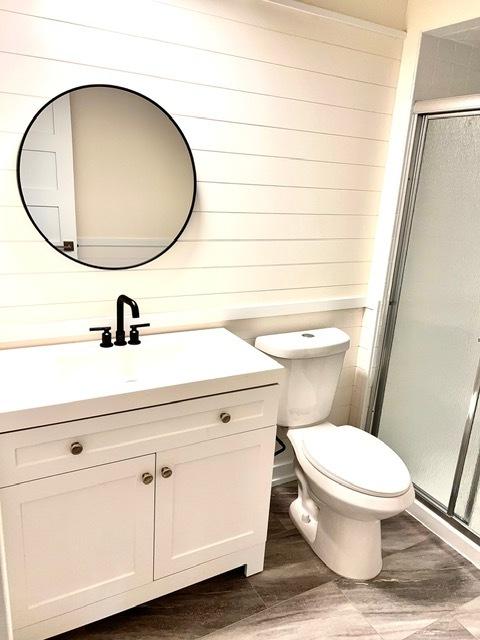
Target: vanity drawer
47,451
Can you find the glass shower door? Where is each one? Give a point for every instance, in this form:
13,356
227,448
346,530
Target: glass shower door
435,350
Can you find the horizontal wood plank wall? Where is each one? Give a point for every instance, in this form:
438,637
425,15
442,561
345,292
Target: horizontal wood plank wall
288,116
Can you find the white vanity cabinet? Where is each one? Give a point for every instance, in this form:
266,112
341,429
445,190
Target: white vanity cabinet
214,502
78,537
105,511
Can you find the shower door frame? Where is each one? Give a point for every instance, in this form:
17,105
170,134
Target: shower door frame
423,112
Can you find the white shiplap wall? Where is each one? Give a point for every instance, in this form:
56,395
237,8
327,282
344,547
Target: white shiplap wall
288,115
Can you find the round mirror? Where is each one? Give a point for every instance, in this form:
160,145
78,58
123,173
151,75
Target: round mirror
106,176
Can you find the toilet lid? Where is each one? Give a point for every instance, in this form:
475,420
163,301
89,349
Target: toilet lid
356,460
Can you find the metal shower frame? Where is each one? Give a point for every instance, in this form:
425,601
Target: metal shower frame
423,112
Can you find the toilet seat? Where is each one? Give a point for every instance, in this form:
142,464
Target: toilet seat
356,460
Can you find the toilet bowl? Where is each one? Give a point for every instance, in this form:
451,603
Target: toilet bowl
344,492
348,480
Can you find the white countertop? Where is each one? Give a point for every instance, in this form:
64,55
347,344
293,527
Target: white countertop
57,383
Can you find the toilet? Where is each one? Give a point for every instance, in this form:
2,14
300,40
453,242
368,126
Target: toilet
348,480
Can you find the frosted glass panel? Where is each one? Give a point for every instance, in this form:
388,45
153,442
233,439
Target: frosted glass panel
435,349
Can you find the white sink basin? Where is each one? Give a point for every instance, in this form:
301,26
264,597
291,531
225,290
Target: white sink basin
158,360
35,382
94,365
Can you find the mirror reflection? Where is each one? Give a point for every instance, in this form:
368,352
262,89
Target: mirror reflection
106,176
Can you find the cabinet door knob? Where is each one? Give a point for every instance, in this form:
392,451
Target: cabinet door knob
166,472
147,478
76,448
225,417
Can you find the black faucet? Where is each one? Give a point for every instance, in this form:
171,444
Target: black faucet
120,332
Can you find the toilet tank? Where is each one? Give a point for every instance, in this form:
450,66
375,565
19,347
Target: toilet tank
313,361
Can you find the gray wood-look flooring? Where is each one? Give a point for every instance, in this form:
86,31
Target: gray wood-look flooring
426,591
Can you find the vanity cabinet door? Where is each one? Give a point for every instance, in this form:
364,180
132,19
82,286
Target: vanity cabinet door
212,499
75,538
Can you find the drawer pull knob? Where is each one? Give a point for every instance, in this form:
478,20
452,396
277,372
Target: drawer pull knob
225,417
147,478
76,448
166,472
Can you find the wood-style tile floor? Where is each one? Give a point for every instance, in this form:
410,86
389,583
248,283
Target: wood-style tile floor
426,591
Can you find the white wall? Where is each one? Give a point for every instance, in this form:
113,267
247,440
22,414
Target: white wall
446,68
132,170
289,128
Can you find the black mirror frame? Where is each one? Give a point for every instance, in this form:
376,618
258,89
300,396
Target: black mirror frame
194,172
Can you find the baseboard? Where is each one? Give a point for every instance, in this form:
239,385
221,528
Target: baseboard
454,538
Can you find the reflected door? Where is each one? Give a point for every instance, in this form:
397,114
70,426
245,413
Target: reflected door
46,173
435,350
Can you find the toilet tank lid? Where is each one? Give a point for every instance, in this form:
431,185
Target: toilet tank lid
311,343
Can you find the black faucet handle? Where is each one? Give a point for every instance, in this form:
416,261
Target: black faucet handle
106,336
134,335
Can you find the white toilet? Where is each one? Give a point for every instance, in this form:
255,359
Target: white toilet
348,480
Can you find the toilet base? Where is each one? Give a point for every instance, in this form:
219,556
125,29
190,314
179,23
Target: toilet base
351,548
